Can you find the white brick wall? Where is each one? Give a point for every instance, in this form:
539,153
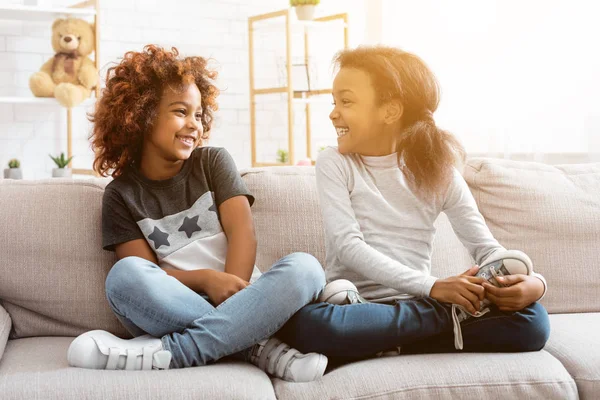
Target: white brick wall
210,28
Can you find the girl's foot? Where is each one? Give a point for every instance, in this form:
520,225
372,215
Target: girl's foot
103,350
501,263
280,360
341,291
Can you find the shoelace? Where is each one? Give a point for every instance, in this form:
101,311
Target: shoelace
353,297
114,354
459,314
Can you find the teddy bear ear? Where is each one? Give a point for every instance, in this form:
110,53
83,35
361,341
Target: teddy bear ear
55,23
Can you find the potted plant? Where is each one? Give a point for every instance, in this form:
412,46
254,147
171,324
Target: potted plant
13,171
305,9
61,162
282,156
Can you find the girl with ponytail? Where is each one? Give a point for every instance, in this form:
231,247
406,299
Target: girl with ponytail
393,172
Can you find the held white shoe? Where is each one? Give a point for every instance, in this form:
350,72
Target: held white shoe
103,350
501,263
340,292
283,362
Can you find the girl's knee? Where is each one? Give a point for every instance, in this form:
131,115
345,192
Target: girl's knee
537,327
126,271
307,269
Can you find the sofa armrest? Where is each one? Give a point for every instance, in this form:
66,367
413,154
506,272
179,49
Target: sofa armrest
5,325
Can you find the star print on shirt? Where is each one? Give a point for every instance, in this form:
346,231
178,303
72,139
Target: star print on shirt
159,238
190,225
213,208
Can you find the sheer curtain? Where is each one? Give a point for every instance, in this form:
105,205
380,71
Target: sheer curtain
519,79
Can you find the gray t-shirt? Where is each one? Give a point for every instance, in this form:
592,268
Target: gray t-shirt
179,216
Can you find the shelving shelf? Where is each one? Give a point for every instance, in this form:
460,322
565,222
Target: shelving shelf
293,96
84,9
50,101
34,13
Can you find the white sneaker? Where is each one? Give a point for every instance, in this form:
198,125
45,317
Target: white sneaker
341,291
103,350
280,360
390,353
501,263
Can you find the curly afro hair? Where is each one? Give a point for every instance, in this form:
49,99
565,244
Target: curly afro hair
128,107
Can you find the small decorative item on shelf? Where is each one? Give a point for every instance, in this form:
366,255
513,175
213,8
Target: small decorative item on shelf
305,9
13,171
61,162
70,75
307,162
282,156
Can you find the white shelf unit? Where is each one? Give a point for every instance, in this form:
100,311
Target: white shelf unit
85,9
50,101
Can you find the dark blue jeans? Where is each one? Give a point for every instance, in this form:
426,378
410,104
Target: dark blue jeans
422,325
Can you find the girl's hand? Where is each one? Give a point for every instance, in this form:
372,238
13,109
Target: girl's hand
521,291
222,286
464,290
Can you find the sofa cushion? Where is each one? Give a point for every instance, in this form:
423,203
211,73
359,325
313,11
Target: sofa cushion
286,213
535,375
37,368
53,268
574,341
553,214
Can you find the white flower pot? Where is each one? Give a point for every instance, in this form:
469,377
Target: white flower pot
13,173
61,172
305,12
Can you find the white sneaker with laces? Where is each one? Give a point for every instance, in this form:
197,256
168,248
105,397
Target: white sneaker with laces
341,292
501,263
103,350
280,360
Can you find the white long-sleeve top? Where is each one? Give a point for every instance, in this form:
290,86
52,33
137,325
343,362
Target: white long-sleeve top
379,234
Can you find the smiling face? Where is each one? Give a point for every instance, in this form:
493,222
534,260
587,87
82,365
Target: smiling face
360,121
177,130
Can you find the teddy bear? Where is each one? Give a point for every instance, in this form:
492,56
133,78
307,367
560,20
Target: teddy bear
70,75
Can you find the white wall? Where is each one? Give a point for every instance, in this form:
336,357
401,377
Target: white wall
516,76
210,28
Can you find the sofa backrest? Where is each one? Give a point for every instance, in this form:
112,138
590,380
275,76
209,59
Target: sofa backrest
52,267
553,214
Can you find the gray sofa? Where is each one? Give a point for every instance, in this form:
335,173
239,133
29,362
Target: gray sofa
52,272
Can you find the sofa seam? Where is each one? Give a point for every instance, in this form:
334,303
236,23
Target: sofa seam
484,162
59,184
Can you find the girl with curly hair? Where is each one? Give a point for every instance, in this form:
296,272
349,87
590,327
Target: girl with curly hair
178,217
381,190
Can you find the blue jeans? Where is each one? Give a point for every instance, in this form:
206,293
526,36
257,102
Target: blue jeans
422,325
147,300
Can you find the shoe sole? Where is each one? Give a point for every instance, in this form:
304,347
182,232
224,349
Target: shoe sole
321,367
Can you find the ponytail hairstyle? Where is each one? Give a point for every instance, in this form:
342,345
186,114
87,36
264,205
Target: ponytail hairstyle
427,153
